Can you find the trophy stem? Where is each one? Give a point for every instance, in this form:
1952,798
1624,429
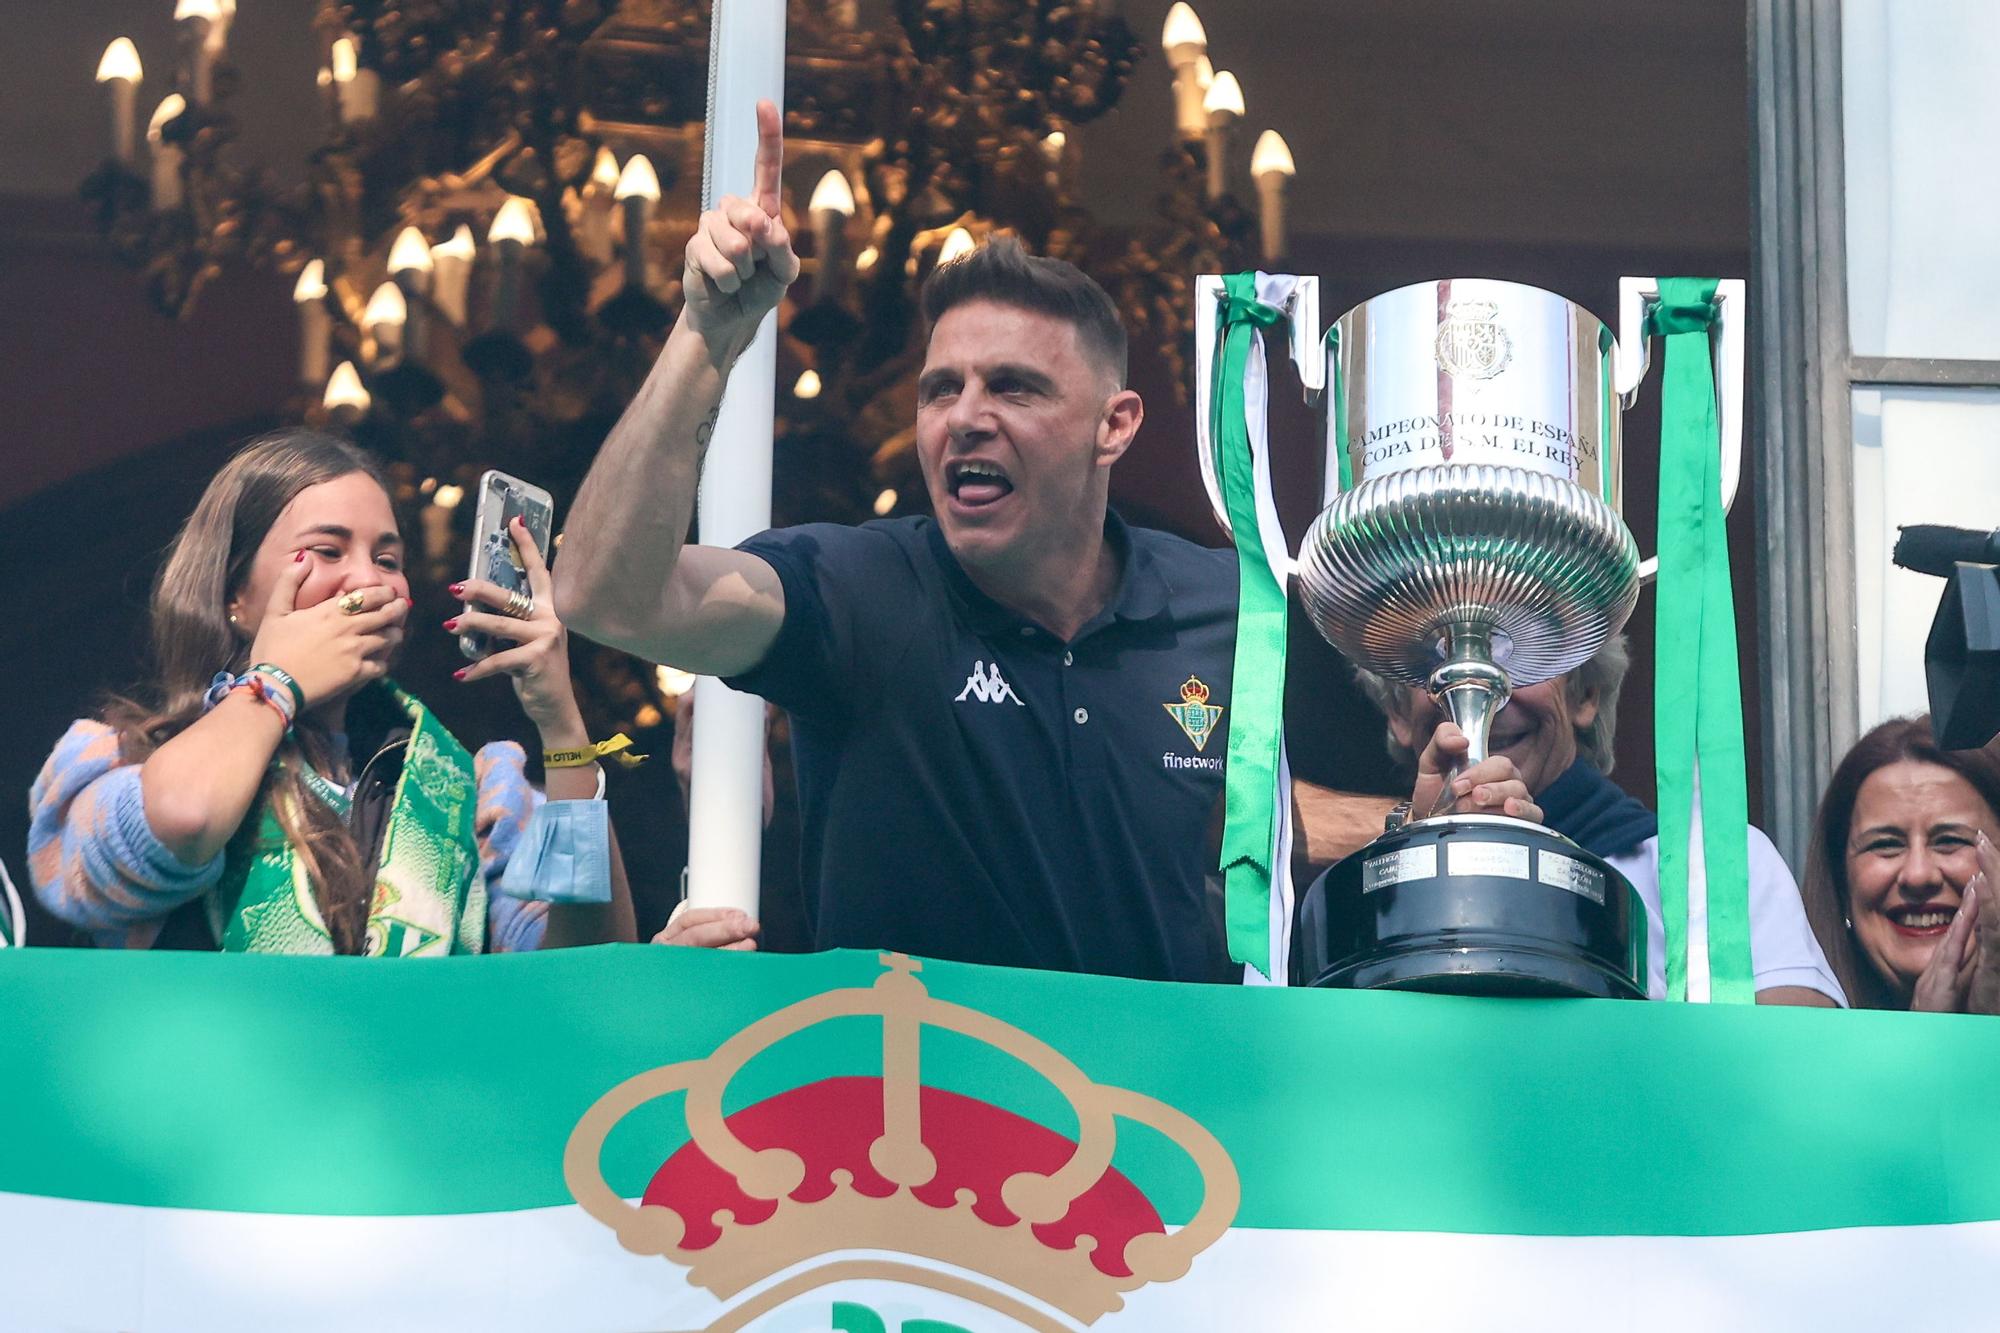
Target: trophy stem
1471,687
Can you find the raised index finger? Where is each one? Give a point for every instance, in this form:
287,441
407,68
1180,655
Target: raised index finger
770,156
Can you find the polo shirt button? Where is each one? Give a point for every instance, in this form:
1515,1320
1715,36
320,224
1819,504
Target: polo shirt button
1027,631
1069,659
1082,715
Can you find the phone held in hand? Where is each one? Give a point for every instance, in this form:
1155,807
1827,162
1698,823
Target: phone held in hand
494,558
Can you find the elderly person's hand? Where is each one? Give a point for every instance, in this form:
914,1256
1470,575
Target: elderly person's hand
1493,786
710,928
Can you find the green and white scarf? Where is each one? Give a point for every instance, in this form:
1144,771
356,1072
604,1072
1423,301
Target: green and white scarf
430,899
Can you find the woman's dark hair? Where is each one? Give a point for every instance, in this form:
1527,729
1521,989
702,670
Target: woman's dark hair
192,639
1826,888
1002,272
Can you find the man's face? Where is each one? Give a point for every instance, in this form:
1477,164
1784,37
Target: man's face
1537,728
1016,423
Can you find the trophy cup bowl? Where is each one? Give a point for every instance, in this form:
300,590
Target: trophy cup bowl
1473,543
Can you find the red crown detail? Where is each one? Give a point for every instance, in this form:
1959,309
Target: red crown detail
1193,691
888,1165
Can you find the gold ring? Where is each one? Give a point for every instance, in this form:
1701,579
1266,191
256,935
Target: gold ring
519,605
350,603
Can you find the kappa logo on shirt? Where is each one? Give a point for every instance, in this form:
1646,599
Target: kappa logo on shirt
988,686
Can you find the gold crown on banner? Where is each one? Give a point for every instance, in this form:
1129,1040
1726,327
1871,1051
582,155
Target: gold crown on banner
1193,691
885,1166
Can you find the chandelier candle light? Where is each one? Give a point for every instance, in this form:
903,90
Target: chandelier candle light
411,268
315,323
347,399
512,232
121,72
382,323
166,156
358,91
831,206
1186,45
594,237
451,271
1223,105
1272,168
198,21
638,190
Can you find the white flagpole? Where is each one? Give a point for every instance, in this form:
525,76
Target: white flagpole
746,63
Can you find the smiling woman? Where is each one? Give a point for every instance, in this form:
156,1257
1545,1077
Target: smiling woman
1901,864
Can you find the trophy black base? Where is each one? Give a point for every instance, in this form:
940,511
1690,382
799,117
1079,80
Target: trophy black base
1473,905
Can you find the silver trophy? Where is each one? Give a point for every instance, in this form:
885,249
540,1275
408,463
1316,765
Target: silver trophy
1472,541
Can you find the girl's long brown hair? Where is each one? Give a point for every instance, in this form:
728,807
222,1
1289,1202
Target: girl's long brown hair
192,639
1826,888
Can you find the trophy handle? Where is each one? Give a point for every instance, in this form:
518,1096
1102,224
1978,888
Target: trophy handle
1302,316
1637,297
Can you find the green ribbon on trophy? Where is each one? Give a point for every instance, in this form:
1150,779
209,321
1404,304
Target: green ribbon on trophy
1257,680
1698,712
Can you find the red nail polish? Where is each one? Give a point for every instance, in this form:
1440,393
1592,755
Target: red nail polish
299,557
460,673
455,589
452,623
410,602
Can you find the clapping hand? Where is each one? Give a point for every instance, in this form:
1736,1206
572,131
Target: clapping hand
1946,982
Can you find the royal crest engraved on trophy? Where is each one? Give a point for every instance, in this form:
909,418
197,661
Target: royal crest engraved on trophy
1470,342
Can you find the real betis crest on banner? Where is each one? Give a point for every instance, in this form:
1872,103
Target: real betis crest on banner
854,1195
667,1139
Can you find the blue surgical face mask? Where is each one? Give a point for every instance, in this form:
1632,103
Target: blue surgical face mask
564,855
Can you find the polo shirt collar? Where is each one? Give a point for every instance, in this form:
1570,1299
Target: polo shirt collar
1141,593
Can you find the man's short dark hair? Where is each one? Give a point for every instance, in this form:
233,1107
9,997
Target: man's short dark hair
1002,271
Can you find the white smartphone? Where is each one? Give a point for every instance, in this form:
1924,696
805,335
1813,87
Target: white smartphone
501,499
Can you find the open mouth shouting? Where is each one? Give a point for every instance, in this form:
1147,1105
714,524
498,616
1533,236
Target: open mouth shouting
1921,920
975,484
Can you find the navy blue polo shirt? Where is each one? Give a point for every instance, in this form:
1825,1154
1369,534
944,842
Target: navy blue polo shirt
973,788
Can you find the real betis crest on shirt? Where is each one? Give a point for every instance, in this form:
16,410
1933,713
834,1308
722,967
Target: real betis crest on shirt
1196,715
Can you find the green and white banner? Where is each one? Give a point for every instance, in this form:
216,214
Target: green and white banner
648,1138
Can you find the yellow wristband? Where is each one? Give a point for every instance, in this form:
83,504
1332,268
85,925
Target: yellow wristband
617,748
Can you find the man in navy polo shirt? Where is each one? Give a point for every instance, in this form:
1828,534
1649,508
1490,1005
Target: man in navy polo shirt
1009,719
